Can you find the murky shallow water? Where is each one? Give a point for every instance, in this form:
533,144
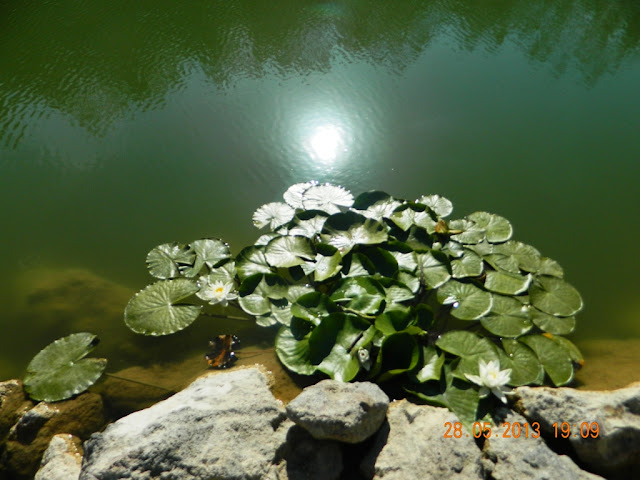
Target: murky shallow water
126,125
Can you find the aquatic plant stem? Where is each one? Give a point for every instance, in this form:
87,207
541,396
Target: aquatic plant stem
229,317
138,381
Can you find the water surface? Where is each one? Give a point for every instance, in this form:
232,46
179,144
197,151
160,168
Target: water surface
124,125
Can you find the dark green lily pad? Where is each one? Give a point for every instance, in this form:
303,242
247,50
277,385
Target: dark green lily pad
468,265
252,260
555,296
553,357
156,310
167,260
551,323
497,228
432,267
293,353
525,367
467,301
507,283
527,257
439,205
60,371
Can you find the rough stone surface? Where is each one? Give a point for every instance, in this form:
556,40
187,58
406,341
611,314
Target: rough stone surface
411,445
227,426
61,459
31,435
616,449
508,456
347,412
13,404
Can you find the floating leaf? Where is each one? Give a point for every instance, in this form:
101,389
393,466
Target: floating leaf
60,370
468,302
527,257
468,265
505,263
555,296
523,362
346,230
309,223
439,205
331,343
225,274
432,365
293,195
362,294
432,267
327,264
313,306
156,310
395,291
273,214
469,231
507,283
210,251
550,267
470,348
328,198
552,356
293,353
570,348
506,325
167,260
551,323
288,251
252,260
497,228
367,199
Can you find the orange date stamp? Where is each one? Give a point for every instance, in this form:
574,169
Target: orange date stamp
526,430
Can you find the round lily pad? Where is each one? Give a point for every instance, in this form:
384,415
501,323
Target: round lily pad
555,296
60,370
467,301
157,310
498,229
167,260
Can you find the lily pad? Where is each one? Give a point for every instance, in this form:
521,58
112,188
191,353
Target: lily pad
431,365
507,283
497,228
156,310
288,251
399,353
252,260
555,296
470,347
60,371
439,205
209,251
527,257
346,230
551,323
467,301
432,268
293,353
468,265
550,267
167,260
525,367
553,357
470,232
506,325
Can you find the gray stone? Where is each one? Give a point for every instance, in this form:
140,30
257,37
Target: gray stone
61,459
224,426
411,445
520,452
616,449
347,412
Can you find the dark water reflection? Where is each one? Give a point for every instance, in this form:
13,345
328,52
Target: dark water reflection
128,124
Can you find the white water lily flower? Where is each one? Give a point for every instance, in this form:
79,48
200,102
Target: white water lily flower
273,214
492,379
328,198
293,195
216,292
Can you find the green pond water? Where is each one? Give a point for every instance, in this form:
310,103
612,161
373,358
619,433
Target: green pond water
124,125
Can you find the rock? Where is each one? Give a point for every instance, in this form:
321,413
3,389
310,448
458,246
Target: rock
13,404
306,458
411,445
524,456
347,412
61,459
616,449
31,435
224,425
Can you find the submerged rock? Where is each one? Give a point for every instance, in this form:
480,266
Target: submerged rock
31,435
411,445
13,404
61,459
347,412
615,449
525,456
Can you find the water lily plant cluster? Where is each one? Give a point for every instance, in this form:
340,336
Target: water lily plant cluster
381,288
372,288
